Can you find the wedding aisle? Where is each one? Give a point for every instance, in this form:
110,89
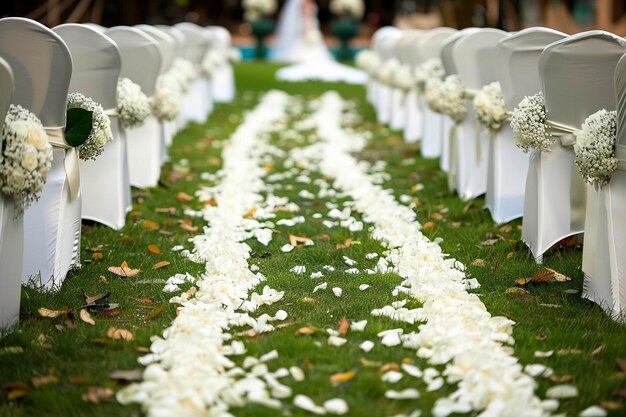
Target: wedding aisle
330,272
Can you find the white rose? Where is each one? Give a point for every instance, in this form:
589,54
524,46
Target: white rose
36,138
101,139
29,159
17,179
21,128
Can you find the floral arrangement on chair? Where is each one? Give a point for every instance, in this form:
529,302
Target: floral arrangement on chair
529,124
490,107
100,133
165,101
258,9
354,9
595,148
453,98
432,68
133,106
25,159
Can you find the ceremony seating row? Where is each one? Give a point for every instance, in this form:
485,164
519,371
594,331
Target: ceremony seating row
39,67
428,84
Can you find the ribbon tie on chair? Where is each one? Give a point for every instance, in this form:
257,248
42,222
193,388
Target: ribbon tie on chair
578,191
56,138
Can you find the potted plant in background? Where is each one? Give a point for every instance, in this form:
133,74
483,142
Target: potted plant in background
257,12
346,25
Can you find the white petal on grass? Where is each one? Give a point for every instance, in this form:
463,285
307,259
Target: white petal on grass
298,269
367,345
321,286
316,275
391,339
348,261
305,403
337,341
269,356
363,287
249,362
336,406
371,255
536,370
435,384
392,377
287,248
562,391
407,394
550,405
337,291
412,370
254,268
171,288
540,354
296,373
352,271
328,268
358,326
593,411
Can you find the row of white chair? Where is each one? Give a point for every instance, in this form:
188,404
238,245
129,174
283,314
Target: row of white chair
578,75
38,68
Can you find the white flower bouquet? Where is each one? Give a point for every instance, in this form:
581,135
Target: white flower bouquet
453,98
369,61
25,159
386,72
257,9
432,68
490,108
100,127
166,99
352,8
433,94
403,77
595,148
529,124
184,71
133,106
211,62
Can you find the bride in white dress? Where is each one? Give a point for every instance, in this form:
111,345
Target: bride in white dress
299,41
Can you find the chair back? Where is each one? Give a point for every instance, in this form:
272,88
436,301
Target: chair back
429,46
446,49
517,62
196,42
473,57
97,62
42,68
6,90
166,42
141,56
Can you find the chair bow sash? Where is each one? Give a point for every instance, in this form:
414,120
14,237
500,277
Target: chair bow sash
56,138
111,113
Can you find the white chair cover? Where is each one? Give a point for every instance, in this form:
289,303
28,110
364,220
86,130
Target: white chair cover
385,48
224,78
42,77
172,127
403,52
426,46
439,133
516,60
197,103
577,80
141,62
373,84
167,47
105,183
473,55
11,252
604,263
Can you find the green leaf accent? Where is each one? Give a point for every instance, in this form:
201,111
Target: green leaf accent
78,126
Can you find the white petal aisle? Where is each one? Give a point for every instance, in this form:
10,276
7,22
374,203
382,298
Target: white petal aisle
189,371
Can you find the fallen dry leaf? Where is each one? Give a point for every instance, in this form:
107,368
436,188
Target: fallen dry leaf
285,325
45,312
455,225
345,245
103,279
86,317
155,312
188,227
123,270
598,351
309,300
342,377
510,255
344,325
543,276
621,365
154,249
369,363
389,367
517,290
42,340
437,216
40,380
210,202
149,225
611,405
428,226
119,334
323,236
77,379
97,255
489,242
560,379
305,330
184,197
90,299
127,239
15,390
479,263
250,213
295,240
169,210
160,265
506,228
145,300
96,395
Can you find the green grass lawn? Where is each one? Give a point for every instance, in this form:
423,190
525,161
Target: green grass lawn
48,365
